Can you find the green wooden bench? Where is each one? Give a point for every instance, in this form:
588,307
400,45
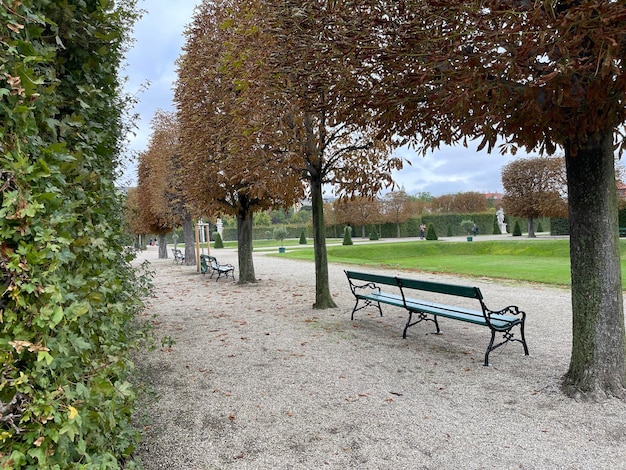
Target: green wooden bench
210,264
367,291
622,232
179,257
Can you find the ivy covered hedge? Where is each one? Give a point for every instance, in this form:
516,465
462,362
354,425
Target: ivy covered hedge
69,295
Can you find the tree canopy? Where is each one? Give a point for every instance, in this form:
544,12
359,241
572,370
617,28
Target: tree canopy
535,187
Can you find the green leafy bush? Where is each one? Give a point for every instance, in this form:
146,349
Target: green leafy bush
302,238
70,298
374,234
280,233
517,231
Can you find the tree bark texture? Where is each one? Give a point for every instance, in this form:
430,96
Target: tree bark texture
323,297
597,367
244,238
531,228
162,246
189,238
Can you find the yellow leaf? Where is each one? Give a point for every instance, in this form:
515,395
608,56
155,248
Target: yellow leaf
73,411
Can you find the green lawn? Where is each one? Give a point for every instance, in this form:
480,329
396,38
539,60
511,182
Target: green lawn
542,261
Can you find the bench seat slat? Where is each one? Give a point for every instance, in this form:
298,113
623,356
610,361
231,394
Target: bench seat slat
371,294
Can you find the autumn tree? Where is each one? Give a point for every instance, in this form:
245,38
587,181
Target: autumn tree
535,187
230,161
161,185
358,211
330,143
463,203
397,208
132,218
160,205
539,75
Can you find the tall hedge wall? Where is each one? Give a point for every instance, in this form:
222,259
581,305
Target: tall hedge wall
69,296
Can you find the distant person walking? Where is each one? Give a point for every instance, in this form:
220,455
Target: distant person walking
422,231
475,229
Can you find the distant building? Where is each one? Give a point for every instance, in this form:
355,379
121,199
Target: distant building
494,199
621,190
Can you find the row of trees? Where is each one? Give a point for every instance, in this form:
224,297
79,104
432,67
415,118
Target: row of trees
279,98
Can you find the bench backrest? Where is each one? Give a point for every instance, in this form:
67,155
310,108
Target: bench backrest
439,288
375,278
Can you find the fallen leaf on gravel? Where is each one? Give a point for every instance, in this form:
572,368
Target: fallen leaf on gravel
290,413
398,394
231,417
363,395
389,400
239,456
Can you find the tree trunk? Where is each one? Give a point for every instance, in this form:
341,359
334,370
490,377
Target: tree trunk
162,246
244,241
597,367
363,231
323,298
397,228
531,228
189,238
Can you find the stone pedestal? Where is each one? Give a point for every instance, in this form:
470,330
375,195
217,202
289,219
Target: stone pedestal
502,227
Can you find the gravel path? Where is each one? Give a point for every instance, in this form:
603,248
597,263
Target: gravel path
257,379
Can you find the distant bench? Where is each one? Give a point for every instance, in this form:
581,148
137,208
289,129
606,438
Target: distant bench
622,231
178,256
367,292
209,264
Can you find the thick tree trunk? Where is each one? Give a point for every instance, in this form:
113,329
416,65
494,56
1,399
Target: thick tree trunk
323,298
597,367
244,241
162,246
189,238
531,228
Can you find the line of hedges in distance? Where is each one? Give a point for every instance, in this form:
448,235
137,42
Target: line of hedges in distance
444,224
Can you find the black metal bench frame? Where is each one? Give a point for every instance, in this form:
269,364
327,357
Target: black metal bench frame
178,256
212,266
503,321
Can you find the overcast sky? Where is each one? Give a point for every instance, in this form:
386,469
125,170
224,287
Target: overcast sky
159,38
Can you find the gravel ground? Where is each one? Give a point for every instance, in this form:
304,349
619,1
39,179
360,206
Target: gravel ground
257,379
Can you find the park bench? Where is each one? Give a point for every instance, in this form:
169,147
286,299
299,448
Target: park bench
367,292
178,256
212,266
622,232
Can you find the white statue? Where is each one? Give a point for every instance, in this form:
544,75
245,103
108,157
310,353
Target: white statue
500,217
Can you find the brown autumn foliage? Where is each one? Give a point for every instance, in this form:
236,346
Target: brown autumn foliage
534,74
358,211
397,207
462,203
535,187
160,204
232,162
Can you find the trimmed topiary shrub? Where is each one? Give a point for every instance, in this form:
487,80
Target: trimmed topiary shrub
539,227
430,233
517,231
347,236
374,234
302,238
218,241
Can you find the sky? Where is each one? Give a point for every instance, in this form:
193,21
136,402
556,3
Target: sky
151,73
